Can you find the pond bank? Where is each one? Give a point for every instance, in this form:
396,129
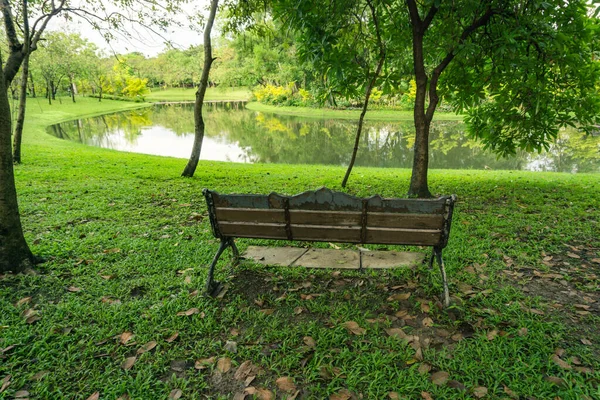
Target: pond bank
371,115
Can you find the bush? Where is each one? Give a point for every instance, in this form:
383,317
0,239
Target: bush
283,95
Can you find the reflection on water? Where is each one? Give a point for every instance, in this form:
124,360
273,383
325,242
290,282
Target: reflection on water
236,134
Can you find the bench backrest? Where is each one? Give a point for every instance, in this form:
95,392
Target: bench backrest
325,215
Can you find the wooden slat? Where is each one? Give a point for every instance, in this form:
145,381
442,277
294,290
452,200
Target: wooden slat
240,200
335,218
253,230
322,233
403,236
408,206
407,221
250,215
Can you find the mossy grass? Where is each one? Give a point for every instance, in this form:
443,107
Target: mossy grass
371,115
127,241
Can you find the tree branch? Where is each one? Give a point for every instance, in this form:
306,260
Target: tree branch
433,96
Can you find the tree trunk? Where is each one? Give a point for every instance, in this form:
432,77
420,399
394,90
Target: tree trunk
370,86
49,93
100,94
418,181
190,168
32,85
72,86
15,255
18,135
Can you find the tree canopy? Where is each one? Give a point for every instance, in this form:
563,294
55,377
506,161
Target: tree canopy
518,70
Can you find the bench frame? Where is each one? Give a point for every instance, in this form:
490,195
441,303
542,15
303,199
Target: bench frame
274,216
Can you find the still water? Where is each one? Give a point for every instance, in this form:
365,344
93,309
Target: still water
236,134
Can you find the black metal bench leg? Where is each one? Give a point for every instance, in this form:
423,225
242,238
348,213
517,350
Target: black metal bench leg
431,259
213,287
446,296
236,252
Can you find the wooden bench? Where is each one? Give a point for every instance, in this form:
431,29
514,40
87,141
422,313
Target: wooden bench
325,215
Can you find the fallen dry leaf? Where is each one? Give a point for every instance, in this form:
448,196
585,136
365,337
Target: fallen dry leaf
224,364
267,311
124,397
189,312
231,346
573,255
555,380
245,370
175,394
94,396
39,375
510,393
586,342
397,332
394,395
310,342
21,394
286,384
5,383
560,363
583,370
491,335
74,289
354,328
440,377
480,392
24,300
424,368
399,296
172,337
147,347
128,363
523,332
204,363
428,322
33,319
298,310
419,354
125,337
426,396
343,394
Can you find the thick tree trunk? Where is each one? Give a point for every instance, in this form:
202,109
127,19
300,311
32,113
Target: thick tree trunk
18,135
15,255
418,181
190,168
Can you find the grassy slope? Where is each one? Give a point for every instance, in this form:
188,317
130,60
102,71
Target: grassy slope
190,94
134,236
373,115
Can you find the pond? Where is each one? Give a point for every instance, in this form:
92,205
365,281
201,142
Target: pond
236,134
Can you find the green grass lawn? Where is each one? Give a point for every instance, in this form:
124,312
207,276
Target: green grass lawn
127,242
212,94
